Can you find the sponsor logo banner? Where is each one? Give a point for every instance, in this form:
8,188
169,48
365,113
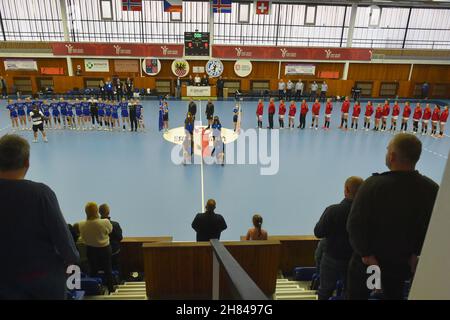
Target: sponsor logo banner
122,49
290,53
193,91
96,65
126,66
20,65
300,69
243,68
52,70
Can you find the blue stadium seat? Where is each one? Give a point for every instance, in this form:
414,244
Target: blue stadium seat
91,286
76,295
304,273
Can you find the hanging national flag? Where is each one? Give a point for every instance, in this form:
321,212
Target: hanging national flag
132,5
262,7
161,121
173,6
222,6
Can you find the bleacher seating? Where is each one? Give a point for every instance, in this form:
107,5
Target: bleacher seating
304,273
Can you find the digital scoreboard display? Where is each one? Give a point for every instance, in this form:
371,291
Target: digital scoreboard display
196,43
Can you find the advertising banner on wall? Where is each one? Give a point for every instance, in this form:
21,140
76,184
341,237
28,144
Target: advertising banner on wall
292,69
119,49
96,65
193,91
151,66
52,70
243,67
198,69
126,65
290,53
20,65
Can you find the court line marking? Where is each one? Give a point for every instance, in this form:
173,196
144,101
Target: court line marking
436,153
201,162
5,127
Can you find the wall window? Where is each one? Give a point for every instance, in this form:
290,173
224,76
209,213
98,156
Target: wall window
106,9
310,16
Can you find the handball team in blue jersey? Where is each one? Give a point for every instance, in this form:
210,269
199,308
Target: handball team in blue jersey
85,114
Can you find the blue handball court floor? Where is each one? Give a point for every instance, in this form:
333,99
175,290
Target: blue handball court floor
151,196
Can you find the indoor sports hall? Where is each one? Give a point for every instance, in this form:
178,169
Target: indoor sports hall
218,91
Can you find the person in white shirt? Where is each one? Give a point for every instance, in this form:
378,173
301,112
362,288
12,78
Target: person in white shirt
323,91
37,118
197,80
313,94
298,90
290,88
94,234
281,89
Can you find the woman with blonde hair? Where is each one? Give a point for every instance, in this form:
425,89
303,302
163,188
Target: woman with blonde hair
257,233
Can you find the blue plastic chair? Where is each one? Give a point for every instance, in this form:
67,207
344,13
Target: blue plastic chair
304,273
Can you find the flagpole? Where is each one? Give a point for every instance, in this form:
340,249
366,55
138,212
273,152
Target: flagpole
211,27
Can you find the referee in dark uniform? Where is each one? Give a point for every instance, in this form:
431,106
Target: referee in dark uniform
209,113
192,108
133,116
94,112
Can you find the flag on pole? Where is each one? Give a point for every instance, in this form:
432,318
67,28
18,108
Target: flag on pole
222,6
132,5
262,7
161,111
173,6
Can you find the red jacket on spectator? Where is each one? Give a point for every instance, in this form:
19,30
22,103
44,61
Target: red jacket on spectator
436,114
369,111
356,110
395,110
345,106
271,108
386,110
426,114
378,113
304,109
260,109
406,111
282,109
444,116
316,108
292,110
329,108
417,113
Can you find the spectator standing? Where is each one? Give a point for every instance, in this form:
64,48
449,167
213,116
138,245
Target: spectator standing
256,233
94,233
332,227
115,237
281,89
3,87
192,108
323,91
425,88
205,80
197,80
35,243
389,219
209,225
102,90
289,90
298,90
129,88
220,85
313,94
178,88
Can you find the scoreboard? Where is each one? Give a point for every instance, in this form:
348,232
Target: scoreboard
196,43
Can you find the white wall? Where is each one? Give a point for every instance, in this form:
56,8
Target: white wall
432,279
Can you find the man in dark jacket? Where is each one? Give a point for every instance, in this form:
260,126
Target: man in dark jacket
133,115
220,85
192,108
209,113
209,225
337,252
115,237
388,222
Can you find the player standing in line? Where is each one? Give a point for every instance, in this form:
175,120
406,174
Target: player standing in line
328,111
395,114
101,113
386,112
13,114
235,115
271,113
315,114
209,112
416,117
107,107
435,120
443,121
166,116
344,113
124,114
86,108
115,115
378,116
303,112
355,115
281,113
405,117
94,113
20,106
28,109
140,115
188,142
78,114
37,118
259,113
426,118
45,108
292,112
368,115
70,118
63,109
56,114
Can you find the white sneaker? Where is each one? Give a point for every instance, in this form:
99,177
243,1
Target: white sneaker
35,141
45,140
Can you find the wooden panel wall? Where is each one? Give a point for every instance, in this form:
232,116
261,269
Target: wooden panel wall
131,254
371,71
183,270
